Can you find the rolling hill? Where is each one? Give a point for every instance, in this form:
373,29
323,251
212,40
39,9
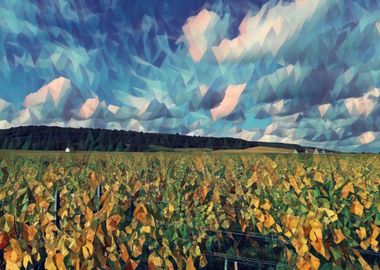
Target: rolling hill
87,139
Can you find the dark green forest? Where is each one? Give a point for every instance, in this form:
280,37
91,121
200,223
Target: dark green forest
86,139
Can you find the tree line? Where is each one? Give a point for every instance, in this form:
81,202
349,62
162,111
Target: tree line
87,139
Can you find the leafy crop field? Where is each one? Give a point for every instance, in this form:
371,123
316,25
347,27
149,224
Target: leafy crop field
189,211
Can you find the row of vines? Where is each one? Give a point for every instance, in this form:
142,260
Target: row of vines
174,211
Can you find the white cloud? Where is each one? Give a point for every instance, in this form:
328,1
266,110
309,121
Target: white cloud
364,104
229,102
199,33
268,30
366,137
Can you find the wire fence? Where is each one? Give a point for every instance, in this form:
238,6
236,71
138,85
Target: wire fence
249,261
239,259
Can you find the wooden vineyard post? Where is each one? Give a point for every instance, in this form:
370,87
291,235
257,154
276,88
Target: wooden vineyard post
131,206
225,263
99,195
57,205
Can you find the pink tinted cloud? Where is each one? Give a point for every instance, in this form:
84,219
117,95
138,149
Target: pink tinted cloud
196,33
229,102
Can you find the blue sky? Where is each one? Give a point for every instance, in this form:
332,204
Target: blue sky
290,71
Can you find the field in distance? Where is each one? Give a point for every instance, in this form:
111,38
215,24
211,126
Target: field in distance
257,149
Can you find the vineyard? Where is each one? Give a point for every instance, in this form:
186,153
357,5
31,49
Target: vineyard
189,211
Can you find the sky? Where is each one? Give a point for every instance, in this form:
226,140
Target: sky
301,71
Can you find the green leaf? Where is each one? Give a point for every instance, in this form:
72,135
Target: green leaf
377,219
329,266
335,252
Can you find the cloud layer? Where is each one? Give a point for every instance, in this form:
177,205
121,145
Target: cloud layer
298,71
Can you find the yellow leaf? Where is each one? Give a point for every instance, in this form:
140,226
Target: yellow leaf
49,264
288,234
300,245
86,199
112,257
197,251
88,214
112,223
256,202
210,207
373,238
252,179
16,249
27,259
85,252
302,263
90,235
269,221
260,216
29,232
347,189
267,205
318,246
169,265
59,260
154,261
140,213
202,193
318,177
198,164
100,235
131,265
216,196
203,261
10,256
260,226
145,229
315,234
278,228
294,184
338,236
357,208
11,265
363,263
93,179
30,208
190,264
243,224
137,247
286,186
124,253
90,247
315,263
361,232
128,229
289,255
331,214
364,244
